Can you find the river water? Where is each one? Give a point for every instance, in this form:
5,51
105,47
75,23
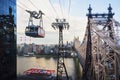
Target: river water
24,63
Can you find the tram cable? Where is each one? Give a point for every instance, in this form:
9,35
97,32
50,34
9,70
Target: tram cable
32,30
53,8
18,5
33,4
23,5
38,9
61,8
30,9
69,9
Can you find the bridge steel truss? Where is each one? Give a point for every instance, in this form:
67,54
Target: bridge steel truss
102,59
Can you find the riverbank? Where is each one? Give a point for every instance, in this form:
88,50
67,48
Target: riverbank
45,56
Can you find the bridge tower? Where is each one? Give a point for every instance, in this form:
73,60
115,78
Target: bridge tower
99,53
101,62
61,24
86,70
101,59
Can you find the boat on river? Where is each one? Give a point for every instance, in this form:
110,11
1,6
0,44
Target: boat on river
39,72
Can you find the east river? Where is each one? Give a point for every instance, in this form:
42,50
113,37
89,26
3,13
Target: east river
25,63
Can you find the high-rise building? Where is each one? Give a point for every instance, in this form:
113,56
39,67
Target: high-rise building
4,7
7,39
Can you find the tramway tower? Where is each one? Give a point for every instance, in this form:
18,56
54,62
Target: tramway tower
61,24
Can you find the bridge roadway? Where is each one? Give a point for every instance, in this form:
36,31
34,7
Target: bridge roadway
81,56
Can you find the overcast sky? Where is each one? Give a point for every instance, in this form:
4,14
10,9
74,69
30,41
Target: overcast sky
76,18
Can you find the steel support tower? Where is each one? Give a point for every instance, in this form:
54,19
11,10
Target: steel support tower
61,68
100,51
